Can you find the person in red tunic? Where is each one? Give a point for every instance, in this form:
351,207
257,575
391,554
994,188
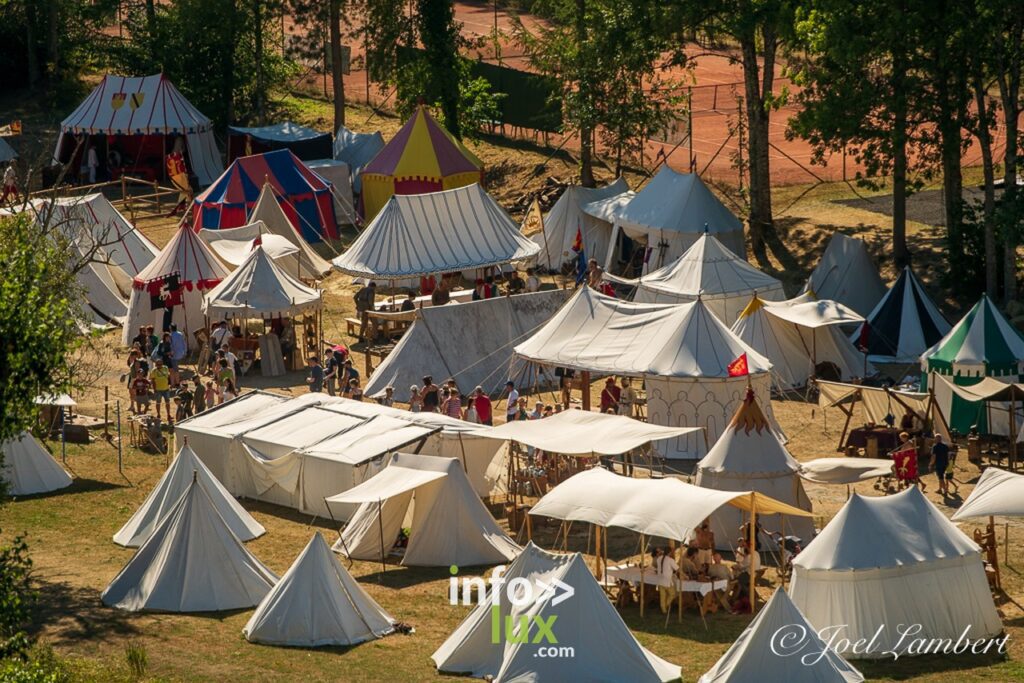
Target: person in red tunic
610,396
177,172
904,460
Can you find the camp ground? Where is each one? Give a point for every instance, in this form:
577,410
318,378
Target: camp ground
601,341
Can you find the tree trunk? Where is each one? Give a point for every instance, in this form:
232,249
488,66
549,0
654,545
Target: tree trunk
53,44
31,57
228,64
952,176
757,86
337,75
984,135
1009,91
257,35
586,132
900,254
151,16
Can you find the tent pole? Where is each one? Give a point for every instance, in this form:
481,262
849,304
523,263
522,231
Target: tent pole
752,549
1013,433
643,552
597,551
380,527
585,381
462,447
604,553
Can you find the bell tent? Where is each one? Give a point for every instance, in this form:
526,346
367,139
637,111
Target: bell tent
29,469
259,288
903,325
567,218
847,274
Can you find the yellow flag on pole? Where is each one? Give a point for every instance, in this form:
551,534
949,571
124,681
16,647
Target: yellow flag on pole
534,221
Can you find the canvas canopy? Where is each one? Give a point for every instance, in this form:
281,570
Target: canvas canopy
449,525
357,150
169,490
665,508
304,196
605,650
748,456
486,331
997,492
432,233
303,142
234,245
29,469
422,157
903,325
681,351
798,337
892,560
844,470
143,105
295,452
317,603
338,174
670,213
847,274
580,432
259,287
567,217
722,280
174,281
756,655
191,563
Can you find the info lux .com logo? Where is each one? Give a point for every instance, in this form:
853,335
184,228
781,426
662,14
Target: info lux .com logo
533,629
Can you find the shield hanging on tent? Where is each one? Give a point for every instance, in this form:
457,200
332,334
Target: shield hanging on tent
117,100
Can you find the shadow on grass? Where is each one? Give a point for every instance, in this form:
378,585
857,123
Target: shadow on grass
329,527
908,667
76,614
78,485
721,627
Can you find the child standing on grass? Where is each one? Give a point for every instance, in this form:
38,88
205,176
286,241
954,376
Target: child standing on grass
140,393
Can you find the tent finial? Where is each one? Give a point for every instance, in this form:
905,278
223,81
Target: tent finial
706,228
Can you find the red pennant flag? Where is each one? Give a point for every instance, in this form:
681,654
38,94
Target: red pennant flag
257,242
739,367
577,244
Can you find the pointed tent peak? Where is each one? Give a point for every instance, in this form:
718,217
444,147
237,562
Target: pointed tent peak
748,415
755,305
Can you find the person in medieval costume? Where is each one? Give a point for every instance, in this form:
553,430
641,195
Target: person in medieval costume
177,172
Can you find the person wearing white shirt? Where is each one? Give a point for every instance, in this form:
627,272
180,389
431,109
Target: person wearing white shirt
532,281
92,161
220,334
665,567
512,401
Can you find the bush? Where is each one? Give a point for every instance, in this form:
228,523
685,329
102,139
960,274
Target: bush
16,598
41,666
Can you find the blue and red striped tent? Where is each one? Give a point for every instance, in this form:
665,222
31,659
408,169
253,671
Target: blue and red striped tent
304,196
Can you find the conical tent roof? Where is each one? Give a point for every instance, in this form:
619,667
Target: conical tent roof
983,343
904,324
260,287
847,274
269,211
567,216
756,656
191,563
317,603
29,469
604,648
169,490
723,280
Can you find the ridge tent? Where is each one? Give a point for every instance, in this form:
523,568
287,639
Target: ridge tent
669,214
422,157
982,344
357,150
567,216
317,603
722,280
681,351
847,274
260,288
748,456
170,289
486,331
303,142
903,325
604,648
169,490
799,336
337,173
894,560
448,523
191,563
29,469
304,196
269,211
755,656
136,115
440,232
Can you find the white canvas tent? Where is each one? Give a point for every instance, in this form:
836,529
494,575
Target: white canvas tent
268,210
439,232
604,648
682,353
187,260
356,150
486,330
847,274
894,560
169,490
567,216
260,288
317,603
295,452
154,107
337,173
799,335
434,499
903,325
191,563
762,654
749,457
997,492
670,213
234,245
29,469
722,280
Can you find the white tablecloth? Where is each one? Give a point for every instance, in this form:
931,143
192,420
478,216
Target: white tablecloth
632,574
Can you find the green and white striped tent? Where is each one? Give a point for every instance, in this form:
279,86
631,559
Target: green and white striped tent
983,344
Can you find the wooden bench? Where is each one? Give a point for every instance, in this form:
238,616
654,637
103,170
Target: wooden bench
352,326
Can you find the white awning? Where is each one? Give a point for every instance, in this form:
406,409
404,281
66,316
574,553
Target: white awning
817,313
844,470
579,432
392,481
998,492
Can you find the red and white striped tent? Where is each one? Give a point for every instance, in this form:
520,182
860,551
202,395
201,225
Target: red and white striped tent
126,108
